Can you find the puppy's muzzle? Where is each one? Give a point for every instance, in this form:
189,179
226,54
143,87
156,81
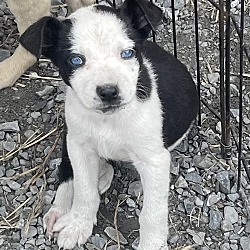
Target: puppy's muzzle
110,97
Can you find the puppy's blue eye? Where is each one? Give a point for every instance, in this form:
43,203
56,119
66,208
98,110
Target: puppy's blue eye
76,60
127,54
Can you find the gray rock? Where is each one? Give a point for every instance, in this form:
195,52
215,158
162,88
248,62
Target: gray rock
2,171
178,4
213,77
10,172
230,214
247,228
226,226
225,246
111,232
213,199
130,203
35,115
46,91
2,134
10,126
193,177
245,242
215,218
224,181
39,106
135,243
198,237
13,184
98,241
32,232
205,163
181,183
60,97
135,188
233,197
189,204
9,145
174,169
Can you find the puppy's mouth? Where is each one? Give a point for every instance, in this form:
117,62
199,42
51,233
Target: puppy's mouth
110,108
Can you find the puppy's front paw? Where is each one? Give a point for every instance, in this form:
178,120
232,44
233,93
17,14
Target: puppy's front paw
50,218
74,229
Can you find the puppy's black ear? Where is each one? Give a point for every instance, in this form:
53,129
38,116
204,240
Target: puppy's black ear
142,15
41,38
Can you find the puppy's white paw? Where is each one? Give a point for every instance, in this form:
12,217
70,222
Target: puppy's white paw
73,230
50,218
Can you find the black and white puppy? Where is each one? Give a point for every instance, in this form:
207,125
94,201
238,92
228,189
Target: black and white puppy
127,100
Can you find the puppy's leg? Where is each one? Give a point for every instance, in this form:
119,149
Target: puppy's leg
26,13
153,219
76,226
65,192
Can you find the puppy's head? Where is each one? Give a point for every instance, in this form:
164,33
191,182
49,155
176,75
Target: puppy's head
98,51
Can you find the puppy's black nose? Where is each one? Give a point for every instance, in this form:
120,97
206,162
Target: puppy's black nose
108,93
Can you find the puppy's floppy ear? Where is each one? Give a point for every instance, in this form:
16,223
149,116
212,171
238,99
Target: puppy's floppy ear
41,38
142,15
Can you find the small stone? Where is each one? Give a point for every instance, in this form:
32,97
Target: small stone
10,172
230,214
98,241
189,204
233,197
35,115
32,232
213,199
2,134
181,183
9,145
49,196
10,126
198,237
135,243
193,177
174,239
245,242
199,202
225,246
213,78
60,97
24,155
39,106
13,184
111,232
135,188
247,228
130,202
46,91
215,219
226,226
205,163
224,181
2,171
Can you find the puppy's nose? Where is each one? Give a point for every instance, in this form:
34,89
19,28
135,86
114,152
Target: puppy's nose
108,93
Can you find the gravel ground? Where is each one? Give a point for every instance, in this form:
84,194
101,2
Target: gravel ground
206,212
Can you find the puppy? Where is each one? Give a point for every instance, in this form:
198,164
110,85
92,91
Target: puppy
127,100
26,13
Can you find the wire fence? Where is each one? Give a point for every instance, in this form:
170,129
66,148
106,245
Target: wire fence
228,134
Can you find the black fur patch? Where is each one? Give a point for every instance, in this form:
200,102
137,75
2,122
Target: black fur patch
65,168
144,86
176,90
